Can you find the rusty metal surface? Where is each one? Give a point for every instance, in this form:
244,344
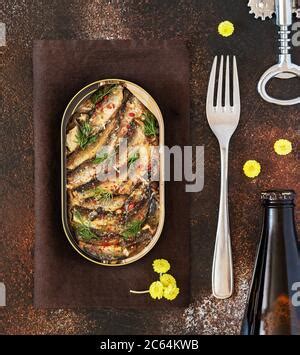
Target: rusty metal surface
254,42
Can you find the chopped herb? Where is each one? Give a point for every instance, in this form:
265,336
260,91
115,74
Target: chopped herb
133,158
84,137
132,229
101,194
83,228
99,94
100,159
150,124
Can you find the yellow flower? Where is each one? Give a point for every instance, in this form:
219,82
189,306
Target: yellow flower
226,28
283,147
161,266
171,292
252,168
167,280
156,290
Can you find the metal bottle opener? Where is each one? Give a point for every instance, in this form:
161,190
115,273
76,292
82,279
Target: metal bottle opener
285,68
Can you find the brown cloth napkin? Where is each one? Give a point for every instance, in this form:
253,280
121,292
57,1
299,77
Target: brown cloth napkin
62,277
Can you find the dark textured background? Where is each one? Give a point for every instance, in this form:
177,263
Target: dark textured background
254,43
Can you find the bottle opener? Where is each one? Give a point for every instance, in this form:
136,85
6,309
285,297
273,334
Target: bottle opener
285,68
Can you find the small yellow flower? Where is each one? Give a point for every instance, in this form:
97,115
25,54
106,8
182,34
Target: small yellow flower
161,266
283,147
252,168
167,280
226,28
156,290
171,292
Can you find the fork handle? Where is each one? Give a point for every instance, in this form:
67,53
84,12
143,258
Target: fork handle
222,272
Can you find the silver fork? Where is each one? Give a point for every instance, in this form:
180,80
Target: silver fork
223,121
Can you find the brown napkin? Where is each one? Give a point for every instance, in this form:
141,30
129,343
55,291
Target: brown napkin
62,277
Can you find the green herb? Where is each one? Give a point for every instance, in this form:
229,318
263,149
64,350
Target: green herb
100,159
101,92
101,194
133,158
84,137
150,124
132,229
83,228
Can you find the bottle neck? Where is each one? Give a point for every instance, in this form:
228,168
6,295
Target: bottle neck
279,223
280,212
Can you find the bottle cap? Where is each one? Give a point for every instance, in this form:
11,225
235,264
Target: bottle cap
278,195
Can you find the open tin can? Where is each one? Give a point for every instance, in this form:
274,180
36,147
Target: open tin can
147,100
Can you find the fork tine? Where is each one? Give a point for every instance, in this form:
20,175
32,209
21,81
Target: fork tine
227,84
211,85
236,88
220,84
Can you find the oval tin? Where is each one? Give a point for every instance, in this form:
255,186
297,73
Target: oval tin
152,106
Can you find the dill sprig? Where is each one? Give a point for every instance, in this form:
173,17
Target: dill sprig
83,228
132,229
100,159
101,194
150,124
84,137
133,158
101,92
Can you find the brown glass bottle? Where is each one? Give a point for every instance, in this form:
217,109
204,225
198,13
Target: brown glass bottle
272,307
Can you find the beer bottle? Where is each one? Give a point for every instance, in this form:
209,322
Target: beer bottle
273,306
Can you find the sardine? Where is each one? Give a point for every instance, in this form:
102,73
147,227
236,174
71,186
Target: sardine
116,187
108,205
99,222
80,156
106,108
85,107
73,131
105,252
